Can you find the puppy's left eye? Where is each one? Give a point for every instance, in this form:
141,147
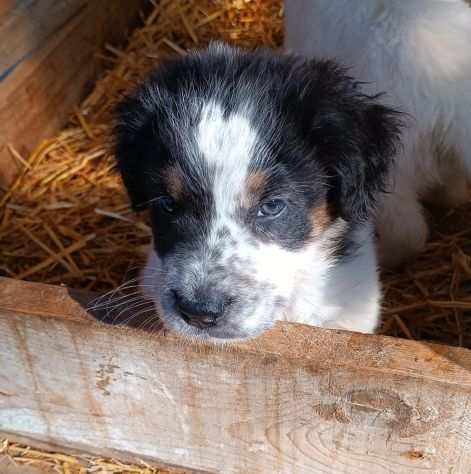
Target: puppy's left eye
272,208
167,204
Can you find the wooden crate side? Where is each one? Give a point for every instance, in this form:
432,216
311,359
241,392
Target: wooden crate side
25,26
47,62
297,400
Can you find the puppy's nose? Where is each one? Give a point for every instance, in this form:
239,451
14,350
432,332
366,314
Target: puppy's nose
203,312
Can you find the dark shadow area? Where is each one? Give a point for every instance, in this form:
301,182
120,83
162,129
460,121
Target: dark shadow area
115,310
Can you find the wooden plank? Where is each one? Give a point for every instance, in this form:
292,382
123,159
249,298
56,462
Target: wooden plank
47,63
297,400
26,24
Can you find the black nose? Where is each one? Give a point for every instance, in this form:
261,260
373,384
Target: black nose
202,312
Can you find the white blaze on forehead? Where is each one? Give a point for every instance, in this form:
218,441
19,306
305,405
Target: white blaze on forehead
227,146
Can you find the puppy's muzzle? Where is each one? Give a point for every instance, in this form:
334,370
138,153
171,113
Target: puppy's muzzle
203,311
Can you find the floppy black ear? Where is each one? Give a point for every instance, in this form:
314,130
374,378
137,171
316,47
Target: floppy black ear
366,149
356,137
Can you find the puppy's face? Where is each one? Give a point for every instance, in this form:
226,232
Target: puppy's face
256,169
234,225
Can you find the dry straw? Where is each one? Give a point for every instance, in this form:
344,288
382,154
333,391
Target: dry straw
66,218
53,462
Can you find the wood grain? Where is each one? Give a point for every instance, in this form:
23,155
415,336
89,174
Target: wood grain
297,400
47,62
25,25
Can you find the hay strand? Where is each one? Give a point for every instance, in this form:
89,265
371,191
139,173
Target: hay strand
59,463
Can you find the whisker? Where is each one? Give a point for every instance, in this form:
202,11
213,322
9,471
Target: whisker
134,316
121,287
149,323
113,300
137,303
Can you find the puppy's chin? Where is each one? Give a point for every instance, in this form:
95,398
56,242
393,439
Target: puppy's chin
216,335
223,334
227,332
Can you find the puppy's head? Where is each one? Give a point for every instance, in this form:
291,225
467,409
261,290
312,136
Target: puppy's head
256,168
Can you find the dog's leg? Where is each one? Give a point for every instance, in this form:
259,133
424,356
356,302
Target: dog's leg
453,189
454,192
457,181
401,228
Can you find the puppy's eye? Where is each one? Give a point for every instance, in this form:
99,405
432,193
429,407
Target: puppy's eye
272,208
167,204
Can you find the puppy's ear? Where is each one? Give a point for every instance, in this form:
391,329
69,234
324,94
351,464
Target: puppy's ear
357,138
132,135
361,171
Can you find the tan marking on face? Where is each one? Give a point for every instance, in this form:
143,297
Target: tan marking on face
321,220
174,182
255,185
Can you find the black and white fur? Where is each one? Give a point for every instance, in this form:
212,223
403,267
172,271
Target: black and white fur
261,173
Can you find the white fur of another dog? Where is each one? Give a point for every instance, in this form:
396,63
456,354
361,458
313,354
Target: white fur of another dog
419,53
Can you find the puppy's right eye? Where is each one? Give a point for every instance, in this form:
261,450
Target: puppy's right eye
272,208
167,204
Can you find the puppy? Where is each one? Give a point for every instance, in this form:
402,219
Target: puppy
419,52
261,174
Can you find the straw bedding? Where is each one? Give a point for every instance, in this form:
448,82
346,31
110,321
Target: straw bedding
66,219
52,462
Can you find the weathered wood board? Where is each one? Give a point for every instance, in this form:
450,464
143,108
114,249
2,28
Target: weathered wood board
297,400
47,61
